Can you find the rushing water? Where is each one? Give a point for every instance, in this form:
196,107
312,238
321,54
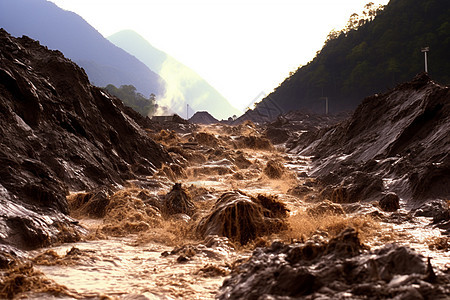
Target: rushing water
118,268
129,267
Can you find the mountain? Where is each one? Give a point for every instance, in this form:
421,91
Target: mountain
370,57
58,29
59,134
184,86
203,117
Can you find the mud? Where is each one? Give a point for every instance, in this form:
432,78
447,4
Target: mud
397,142
193,238
336,269
217,211
59,134
243,218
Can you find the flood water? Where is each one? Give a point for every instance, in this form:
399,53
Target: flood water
143,265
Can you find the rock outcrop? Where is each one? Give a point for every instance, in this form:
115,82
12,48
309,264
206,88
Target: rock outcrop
59,134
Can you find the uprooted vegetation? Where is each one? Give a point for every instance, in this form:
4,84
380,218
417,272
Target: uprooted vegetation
243,218
24,278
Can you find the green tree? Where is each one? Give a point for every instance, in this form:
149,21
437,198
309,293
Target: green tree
131,98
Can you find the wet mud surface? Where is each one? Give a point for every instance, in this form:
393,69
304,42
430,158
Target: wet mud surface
217,223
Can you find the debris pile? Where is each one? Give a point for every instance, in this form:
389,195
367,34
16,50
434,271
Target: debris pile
402,135
243,218
337,269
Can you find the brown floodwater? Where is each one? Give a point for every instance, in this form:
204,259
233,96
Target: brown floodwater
144,265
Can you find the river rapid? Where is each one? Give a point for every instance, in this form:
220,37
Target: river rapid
135,254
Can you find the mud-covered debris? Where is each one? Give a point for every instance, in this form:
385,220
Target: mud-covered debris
390,202
401,135
173,171
300,190
277,135
8,258
178,201
25,278
338,269
72,257
206,139
253,142
213,247
211,270
126,214
92,204
241,161
325,207
440,243
274,169
167,137
272,206
242,218
58,134
437,209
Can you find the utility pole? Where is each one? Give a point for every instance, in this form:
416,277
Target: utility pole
425,50
326,104
187,111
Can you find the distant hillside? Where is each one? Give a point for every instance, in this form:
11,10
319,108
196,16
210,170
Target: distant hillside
184,86
58,29
202,117
371,57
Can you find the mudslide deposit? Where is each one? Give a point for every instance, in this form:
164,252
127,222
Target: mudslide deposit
97,202
59,134
398,143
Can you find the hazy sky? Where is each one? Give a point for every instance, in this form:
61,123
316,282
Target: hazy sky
243,48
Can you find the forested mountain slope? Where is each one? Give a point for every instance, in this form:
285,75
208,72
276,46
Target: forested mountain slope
371,56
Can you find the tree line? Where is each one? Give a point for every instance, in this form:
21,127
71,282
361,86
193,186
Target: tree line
131,98
377,50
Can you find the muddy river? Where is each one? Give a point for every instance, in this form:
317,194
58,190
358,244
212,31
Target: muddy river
134,251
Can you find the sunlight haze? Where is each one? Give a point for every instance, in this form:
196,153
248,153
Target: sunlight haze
242,48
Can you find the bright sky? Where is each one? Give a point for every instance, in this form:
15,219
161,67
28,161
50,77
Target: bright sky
244,48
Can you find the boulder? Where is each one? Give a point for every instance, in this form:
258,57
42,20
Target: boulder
390,202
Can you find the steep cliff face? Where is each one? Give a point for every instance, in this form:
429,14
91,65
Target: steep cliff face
59,133
397,142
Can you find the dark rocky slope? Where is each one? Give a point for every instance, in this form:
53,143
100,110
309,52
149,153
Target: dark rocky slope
59,134
397,142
